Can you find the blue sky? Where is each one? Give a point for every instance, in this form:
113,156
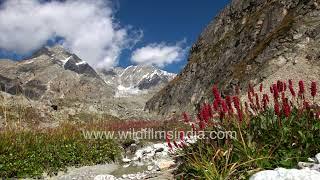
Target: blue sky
163,23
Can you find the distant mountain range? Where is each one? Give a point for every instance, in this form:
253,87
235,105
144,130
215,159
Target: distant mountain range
135,80
58,78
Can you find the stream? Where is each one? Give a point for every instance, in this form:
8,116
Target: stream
150,162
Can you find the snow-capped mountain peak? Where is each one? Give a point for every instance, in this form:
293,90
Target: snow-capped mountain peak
136,79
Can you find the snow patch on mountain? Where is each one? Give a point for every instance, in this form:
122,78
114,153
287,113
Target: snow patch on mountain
123,91
65,60
81,63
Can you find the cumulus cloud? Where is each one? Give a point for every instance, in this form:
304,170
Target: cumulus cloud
159,54
88,29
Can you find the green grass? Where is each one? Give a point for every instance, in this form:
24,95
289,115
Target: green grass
30,153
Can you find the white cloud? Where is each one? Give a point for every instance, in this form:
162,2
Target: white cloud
88,28
159,54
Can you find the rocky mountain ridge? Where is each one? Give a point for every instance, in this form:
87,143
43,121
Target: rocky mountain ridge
250,40
57,82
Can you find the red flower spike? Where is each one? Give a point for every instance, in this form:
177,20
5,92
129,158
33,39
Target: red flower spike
265,101
215,105
202,125
216,94
261,87
181,135
313,89
283,97
267,98
284,86
271,89
293,93
224,106
257,101
236,102
206,112
301,88
290,82
286,108
228,101
275,91
279,86
240,116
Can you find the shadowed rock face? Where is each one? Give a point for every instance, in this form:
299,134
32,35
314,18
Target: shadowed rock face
250,40
77,65
155,80
72,61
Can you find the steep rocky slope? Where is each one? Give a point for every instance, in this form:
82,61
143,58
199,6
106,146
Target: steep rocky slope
250,40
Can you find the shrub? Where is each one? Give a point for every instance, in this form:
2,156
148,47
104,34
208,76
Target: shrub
269,133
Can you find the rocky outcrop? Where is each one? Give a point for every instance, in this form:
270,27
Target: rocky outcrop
250,40
307,170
